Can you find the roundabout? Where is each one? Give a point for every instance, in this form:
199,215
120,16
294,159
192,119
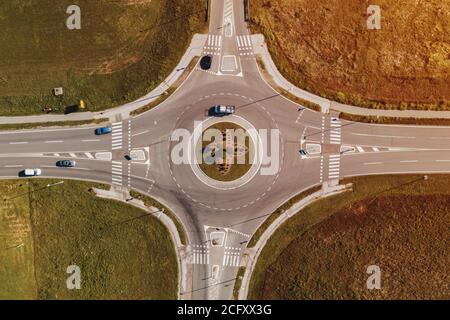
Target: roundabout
227,154
216,161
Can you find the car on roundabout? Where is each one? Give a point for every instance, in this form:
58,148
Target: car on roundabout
205,62
221,111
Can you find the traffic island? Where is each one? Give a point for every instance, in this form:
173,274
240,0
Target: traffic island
227,154
230,157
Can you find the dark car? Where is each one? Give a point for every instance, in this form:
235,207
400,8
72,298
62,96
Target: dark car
205,62
303,154
221,111
66,163
104,130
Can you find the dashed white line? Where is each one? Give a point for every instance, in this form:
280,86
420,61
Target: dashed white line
382,136
372,163
140,133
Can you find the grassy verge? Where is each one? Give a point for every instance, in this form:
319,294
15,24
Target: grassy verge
22,126
123,50
17,278
322,258
238,282
122,252
150,202
394,120
169,91
278,212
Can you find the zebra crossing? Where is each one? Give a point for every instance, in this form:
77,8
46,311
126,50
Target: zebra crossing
334,166
213,44
335,132
244,44
232,257
117,135
116,173
200,255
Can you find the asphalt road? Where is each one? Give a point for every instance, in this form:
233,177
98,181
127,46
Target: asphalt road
219,222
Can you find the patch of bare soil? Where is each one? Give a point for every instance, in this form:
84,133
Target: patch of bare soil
405,236
325,47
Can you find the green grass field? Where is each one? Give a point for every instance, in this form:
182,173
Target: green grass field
122,252
123,50
397,222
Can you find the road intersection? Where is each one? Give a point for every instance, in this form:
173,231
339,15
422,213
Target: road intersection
219,222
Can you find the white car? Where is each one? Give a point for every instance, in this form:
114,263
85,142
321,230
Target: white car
32,172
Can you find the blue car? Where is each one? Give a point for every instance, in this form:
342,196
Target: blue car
104,130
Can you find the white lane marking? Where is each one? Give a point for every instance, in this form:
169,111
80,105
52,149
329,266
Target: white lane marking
375,149
90,156
382,136
442,160
141,133
372,163
78,168
18,142
14,166
409,161
73,155
45,130
360,149
92,140
55,141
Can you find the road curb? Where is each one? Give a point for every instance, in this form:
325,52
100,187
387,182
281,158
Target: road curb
254,252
